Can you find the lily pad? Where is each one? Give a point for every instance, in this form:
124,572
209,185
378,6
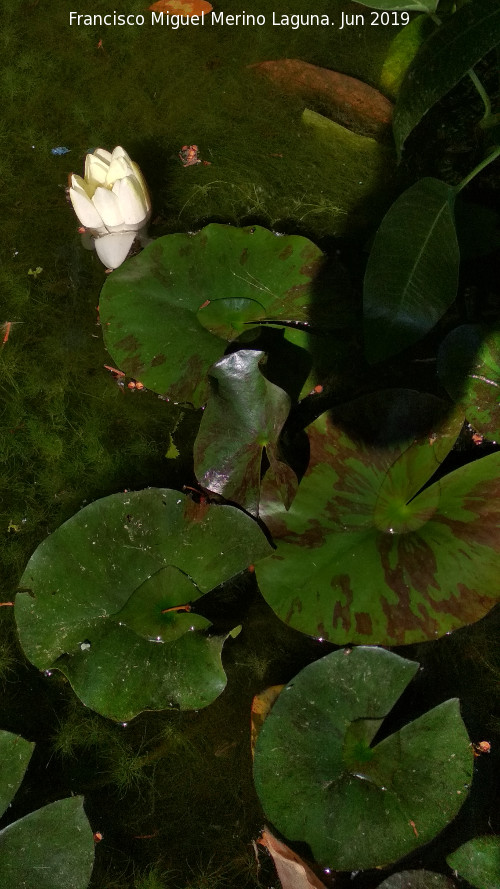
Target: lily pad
322,780
52,848
469,368
478,862
17,752
168,314
110,595
417,879
244,416
366,552
412,274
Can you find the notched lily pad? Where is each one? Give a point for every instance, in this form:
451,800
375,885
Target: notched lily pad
368,553
111,597
168,314
322,780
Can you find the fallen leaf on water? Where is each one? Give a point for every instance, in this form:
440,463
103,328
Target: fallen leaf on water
261,705
348,101
182,7
293,873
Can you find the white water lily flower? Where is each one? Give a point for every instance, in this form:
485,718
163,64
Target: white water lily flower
112,201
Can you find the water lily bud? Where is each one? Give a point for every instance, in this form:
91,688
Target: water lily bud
111,199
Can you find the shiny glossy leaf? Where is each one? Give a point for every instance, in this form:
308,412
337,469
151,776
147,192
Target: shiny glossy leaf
469,368
107,593
365,555
412,273
15,754
322,781
478,862
52,848
168,314
243,418
454,48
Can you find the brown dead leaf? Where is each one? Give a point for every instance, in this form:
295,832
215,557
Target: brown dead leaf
293,873
261,706
182,7
346,100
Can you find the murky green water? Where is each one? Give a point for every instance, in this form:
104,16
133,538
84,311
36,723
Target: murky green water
169,791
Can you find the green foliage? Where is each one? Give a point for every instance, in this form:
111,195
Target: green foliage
244,417
367,553
412,274
469,368
443,60
417,879
169,313
321,781
113,588
51,848
478,861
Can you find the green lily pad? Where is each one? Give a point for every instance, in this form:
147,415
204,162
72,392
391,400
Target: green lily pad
365,555
412,273
168,314
448,54
417,879
478,862
244,416
107,594
469,368
17,752
52,848
322,781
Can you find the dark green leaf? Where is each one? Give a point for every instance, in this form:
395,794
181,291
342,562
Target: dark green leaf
15,754
51,848
244,415
402,51
417,879
454,48
412,274
478,862
168,313
469,368
364,555
359,806
410,5
105,589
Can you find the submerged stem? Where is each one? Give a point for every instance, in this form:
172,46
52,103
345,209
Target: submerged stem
484,163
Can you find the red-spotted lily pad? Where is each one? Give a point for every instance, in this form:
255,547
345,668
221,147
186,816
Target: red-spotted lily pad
168,314
244,416
364,554
108,598
469,367
51,848
323,778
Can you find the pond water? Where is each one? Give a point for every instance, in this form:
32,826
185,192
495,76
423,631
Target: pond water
172,793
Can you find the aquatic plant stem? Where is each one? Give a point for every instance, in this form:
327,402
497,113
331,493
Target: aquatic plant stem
484,163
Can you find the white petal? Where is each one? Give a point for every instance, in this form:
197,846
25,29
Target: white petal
78,182
103,155
87,213
118,169
132,202
140,178
108,205
120,152
112,249
95,170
